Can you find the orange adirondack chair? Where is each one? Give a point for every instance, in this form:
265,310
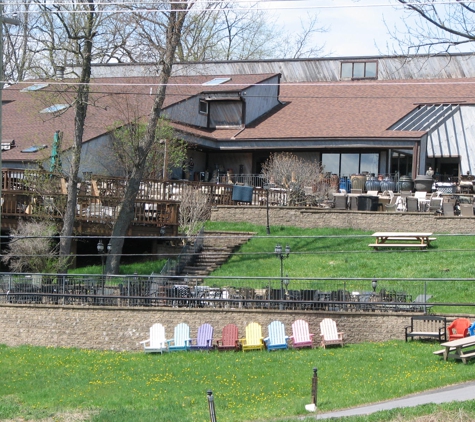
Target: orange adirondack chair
229,339
254,339
301,336
458,328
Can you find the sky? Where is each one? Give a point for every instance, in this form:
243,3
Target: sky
354,30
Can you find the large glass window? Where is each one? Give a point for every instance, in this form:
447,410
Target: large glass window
331,163
349,164
369,163
346,164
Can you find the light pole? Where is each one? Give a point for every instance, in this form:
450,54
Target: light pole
103,252
16,22
282,255
374,283
266,187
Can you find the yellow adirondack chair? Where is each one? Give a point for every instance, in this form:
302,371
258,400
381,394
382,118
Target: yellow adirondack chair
254,339
329,333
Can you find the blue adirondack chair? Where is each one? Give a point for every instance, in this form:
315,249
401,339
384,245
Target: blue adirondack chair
157,341
204,339
181,338
277,338
471,329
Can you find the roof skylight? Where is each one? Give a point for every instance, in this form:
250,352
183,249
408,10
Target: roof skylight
55,108
34,148
216,81
35,87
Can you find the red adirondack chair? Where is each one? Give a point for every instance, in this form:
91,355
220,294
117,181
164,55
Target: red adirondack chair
458,328
301,336
229,339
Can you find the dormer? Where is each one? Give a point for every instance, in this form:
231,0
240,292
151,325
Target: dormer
227,103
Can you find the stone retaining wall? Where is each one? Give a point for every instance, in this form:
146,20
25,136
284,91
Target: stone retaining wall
122,329
362,220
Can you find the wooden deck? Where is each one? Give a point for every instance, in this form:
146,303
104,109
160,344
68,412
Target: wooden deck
29,194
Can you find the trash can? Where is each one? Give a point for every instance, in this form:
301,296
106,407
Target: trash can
368,203
242,193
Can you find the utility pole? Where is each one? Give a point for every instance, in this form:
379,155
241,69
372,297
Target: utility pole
10,21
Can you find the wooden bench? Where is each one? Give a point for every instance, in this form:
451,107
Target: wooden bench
427,326
398,245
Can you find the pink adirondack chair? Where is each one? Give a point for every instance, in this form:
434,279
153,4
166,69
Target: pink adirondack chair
301,336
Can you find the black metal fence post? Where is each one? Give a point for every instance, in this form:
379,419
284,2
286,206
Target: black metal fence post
212,411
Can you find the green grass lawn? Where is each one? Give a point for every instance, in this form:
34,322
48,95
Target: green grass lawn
343,254
38,382
41,383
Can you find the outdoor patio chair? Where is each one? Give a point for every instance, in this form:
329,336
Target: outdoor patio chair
471,329
204,338
229,339
253,339
458,328
276,338
435,205
466,210
301,336
181,338
157,342
329,333
448,209
412,204
340,201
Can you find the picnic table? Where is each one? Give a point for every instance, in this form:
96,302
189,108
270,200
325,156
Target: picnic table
461,348
401,240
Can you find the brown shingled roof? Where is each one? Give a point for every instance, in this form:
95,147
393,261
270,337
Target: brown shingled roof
356,109
111,100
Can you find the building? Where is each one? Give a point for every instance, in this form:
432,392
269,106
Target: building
382,115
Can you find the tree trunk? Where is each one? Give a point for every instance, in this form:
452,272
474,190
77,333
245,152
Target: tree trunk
174,29
82,99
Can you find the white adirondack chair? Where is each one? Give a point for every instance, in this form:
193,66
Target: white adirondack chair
329,333
157,343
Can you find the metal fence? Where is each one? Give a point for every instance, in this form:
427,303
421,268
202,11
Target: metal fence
350,295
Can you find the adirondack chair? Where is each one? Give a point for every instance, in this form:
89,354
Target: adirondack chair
458,328
471,329
277,338
329,334
253,340
204,339
229,339
157,341
181,338
301,336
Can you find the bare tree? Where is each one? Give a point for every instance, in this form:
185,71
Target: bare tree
296,175
301,44
432,27
128,136
32,248
176,16
195,209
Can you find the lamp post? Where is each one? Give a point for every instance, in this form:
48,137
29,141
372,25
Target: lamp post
103,252
266,187
374,283
282,255
9,21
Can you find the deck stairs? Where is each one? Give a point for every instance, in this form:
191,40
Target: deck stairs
218,247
